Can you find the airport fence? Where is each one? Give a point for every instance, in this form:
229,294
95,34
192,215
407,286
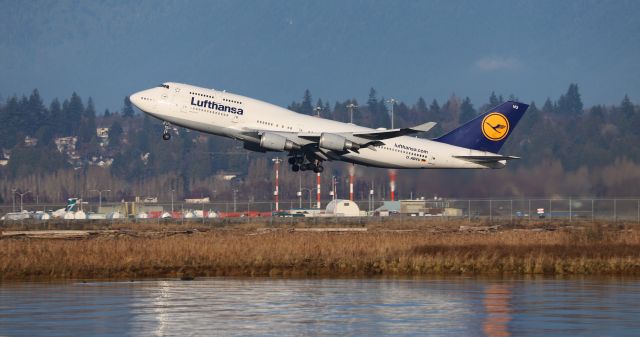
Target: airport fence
229,212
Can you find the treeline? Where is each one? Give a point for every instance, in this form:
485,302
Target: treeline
561,134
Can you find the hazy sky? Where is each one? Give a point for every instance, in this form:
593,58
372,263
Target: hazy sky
274,50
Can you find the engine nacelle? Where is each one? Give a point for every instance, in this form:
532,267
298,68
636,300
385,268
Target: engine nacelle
335,142
275,142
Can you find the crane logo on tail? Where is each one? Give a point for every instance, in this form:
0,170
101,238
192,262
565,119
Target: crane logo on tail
495,126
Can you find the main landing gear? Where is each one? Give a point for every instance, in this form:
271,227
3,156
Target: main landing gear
165,133
300,163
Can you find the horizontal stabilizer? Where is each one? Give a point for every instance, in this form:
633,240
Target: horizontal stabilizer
486,159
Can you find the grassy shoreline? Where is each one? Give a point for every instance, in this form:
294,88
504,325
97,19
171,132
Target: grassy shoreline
138,254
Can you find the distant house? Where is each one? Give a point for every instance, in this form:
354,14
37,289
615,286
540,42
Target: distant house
66,144
105,162
102,132
30,141
4,157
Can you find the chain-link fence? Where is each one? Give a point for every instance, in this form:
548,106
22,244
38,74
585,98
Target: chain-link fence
562,209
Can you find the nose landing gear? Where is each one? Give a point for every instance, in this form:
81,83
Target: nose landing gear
165,133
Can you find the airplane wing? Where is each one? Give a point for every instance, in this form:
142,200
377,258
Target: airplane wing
486,159
359,139
375,134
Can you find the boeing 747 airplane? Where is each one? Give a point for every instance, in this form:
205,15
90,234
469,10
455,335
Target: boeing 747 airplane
311,140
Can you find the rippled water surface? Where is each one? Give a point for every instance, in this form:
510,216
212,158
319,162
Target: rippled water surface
358,307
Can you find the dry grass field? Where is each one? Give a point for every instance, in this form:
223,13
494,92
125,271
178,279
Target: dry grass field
252,251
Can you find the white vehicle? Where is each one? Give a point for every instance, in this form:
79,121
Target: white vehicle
311,140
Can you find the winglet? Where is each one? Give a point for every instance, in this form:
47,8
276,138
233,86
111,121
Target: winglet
424,127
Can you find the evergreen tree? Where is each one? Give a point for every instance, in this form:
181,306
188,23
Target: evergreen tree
88,122
628,116
107,113
10,123
115,135
467,112
421,106
493,100
127,110
626,107
56,118
435,111
548,106
306,106
382,116
372,101
35,112
72,111
570,103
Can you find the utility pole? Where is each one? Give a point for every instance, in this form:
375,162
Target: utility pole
13,194
351,106
235,191
333,187
393,102
275,193
100,196
172,202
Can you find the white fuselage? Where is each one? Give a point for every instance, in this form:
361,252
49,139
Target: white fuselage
225,114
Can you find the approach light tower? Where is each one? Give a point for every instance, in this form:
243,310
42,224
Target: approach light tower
351,106
275,193
393,102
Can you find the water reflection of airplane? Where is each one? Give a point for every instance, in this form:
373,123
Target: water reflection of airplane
498,310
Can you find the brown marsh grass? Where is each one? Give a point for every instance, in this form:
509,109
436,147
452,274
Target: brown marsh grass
283,253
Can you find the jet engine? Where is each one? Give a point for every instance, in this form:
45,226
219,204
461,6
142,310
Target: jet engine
335,142
275,142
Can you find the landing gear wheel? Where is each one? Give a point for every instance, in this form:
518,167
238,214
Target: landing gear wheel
292,160
166,127
295,167
318,169
299,160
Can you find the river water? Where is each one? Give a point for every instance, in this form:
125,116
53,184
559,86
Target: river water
454,306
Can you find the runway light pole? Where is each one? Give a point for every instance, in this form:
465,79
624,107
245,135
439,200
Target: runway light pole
393,102
351,106
22,195
99,196
310,190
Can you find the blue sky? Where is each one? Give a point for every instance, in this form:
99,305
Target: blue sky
274,50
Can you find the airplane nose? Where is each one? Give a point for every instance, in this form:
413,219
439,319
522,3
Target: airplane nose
135,99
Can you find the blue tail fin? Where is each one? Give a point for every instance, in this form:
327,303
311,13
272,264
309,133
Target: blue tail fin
489,131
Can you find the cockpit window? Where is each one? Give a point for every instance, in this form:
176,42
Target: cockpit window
164,85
